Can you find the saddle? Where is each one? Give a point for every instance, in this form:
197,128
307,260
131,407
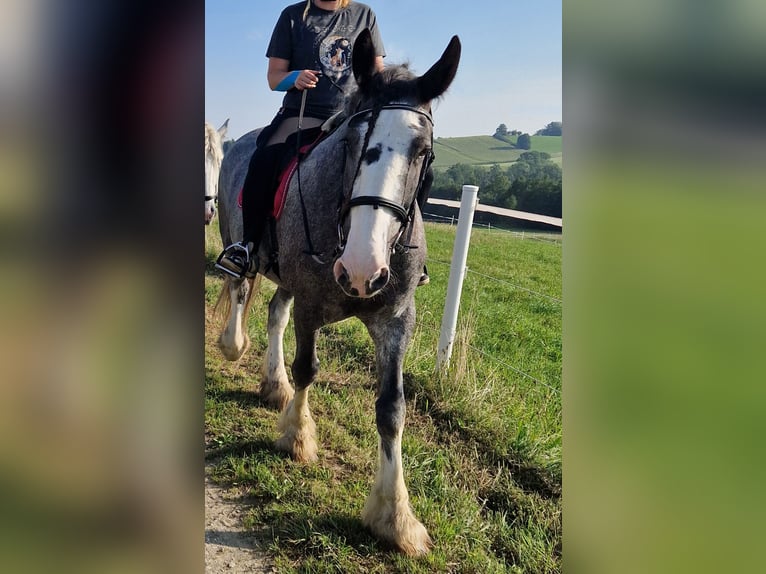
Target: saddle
290,164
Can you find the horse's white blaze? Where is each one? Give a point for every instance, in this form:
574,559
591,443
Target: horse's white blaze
372,230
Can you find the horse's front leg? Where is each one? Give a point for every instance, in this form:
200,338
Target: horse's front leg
387,512
275,388
296,424
233,340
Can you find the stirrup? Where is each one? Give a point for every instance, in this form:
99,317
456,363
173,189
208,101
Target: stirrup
236,261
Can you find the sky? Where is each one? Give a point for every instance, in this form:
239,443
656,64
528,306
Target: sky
510,69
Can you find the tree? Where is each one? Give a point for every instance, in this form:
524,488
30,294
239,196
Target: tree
552,129
502,131
524,141
535,157
494,186
536,184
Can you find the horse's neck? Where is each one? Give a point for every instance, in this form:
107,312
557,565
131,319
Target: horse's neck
332,148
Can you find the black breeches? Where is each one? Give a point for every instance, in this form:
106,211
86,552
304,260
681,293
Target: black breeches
258,191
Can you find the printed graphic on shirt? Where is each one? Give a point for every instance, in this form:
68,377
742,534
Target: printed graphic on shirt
335,55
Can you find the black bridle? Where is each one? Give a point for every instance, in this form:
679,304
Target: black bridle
403,213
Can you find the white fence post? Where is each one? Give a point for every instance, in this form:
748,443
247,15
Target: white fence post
468,203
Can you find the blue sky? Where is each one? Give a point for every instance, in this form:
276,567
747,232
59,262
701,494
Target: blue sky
510,70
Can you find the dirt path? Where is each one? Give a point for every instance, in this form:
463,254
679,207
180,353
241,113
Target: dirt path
228,548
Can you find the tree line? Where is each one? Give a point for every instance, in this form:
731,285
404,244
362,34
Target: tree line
524,140
532,183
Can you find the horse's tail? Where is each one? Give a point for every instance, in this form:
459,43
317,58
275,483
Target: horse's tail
222,307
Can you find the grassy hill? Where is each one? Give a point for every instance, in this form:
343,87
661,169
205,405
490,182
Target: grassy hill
486,150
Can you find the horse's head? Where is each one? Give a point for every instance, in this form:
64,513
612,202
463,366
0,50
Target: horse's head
213,159
389,139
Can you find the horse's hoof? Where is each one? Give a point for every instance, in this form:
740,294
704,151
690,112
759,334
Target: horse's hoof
300,450
298,431
397,526
233,352
276,394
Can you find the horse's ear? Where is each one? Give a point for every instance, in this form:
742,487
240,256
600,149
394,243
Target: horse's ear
363,58
224,128
435,81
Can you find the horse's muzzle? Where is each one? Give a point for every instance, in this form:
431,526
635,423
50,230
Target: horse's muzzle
359,285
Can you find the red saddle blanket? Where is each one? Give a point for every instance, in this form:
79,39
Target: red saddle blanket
283,183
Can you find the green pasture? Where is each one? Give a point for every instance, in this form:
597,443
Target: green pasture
482,442
486,150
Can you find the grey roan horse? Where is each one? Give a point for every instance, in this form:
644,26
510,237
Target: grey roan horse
350,243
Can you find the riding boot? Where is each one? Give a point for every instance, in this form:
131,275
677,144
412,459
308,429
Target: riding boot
241,259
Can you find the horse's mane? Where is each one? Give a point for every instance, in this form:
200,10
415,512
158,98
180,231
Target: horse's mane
213,143
393,84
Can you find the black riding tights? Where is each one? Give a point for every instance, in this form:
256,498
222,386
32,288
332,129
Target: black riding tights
258,192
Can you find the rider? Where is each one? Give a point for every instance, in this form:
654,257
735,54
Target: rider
310,49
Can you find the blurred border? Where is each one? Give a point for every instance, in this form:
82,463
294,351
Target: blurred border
101,345
664,313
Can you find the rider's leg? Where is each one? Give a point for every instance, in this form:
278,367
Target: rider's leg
240,259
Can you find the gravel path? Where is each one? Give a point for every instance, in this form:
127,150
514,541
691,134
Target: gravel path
228,548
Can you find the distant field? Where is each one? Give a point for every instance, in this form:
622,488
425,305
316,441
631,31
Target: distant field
486,150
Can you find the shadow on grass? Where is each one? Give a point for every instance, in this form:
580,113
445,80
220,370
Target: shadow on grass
239,449
321,535
242,398
526,474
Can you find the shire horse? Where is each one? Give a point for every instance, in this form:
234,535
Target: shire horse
350,242
213,159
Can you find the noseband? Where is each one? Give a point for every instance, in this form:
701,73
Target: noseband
403,213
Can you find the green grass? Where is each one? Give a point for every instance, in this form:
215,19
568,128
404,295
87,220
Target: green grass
486,150
482,443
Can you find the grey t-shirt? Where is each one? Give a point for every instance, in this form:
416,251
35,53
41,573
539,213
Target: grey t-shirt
323,42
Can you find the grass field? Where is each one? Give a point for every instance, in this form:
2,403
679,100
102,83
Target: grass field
482,443
486,150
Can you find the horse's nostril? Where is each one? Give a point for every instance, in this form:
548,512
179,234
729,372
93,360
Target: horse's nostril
342,275
377,281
